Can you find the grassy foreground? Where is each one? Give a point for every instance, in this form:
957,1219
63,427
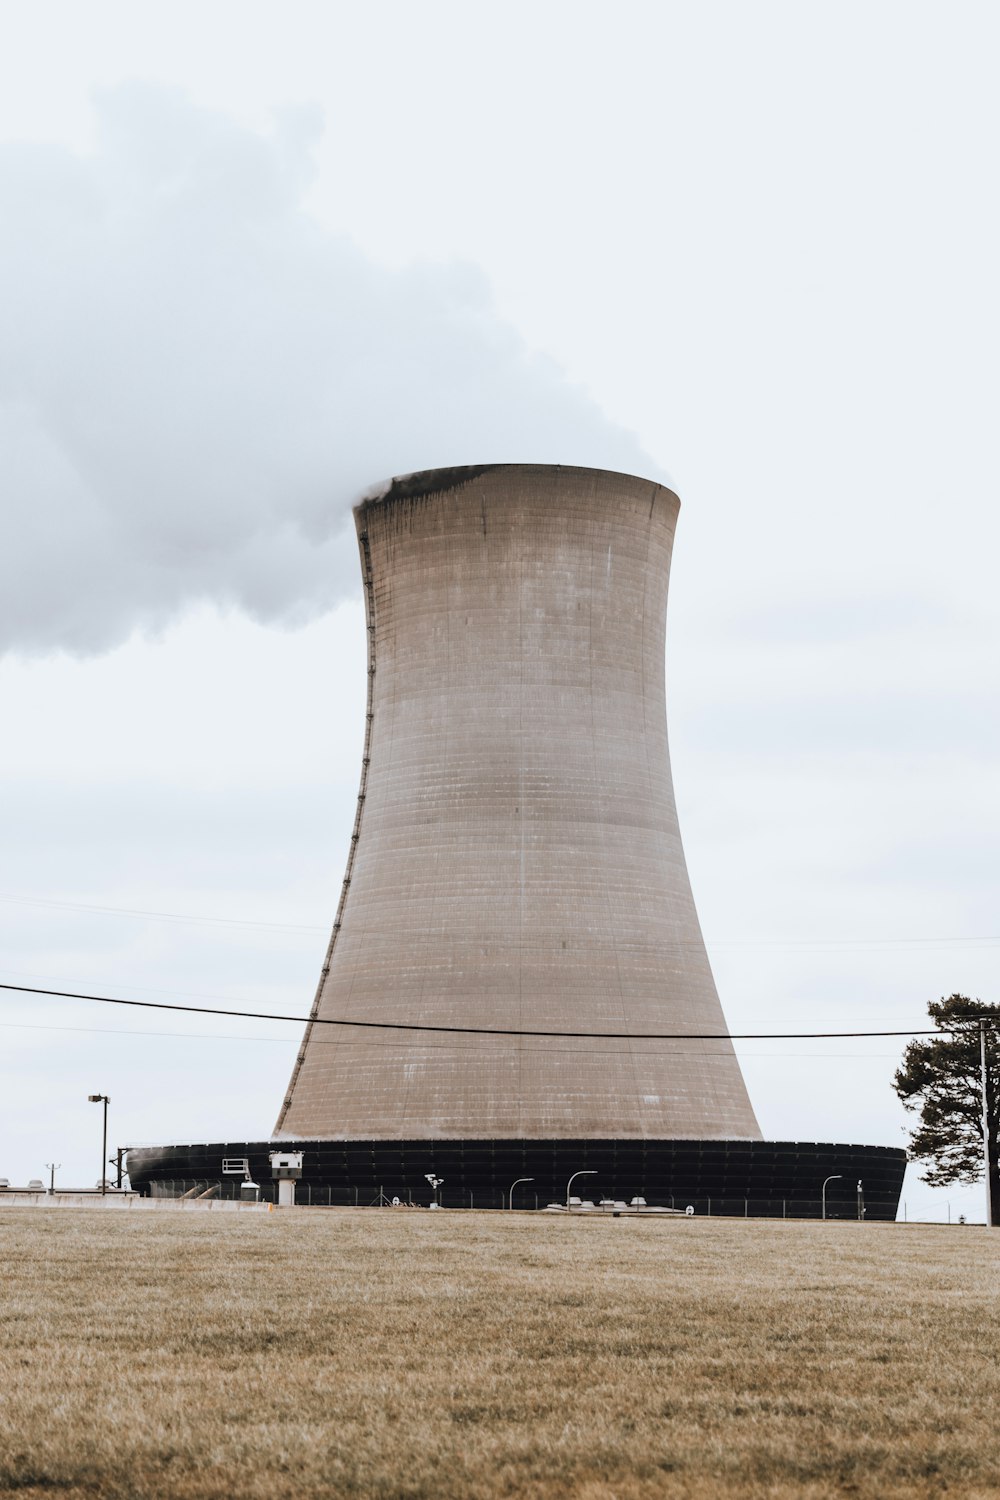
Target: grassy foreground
465,1356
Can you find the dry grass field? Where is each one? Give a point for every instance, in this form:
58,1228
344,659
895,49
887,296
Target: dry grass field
471,1356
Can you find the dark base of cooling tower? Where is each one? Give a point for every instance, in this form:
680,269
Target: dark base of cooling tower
762,1179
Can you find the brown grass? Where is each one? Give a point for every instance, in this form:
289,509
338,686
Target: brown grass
471,1356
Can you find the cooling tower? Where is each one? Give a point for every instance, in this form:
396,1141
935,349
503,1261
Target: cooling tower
516,863
516,961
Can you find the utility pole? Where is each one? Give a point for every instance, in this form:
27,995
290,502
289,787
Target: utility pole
986,1121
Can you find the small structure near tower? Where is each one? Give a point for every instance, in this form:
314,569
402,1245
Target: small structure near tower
286,1170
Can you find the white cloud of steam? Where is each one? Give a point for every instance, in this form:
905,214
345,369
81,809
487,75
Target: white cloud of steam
196,379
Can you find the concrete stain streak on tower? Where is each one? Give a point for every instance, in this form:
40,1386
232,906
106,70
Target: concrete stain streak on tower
516,860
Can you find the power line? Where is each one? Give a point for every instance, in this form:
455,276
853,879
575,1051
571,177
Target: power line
150,989
611,1036
973,939
154,989
196,1036
278,1041
160,916
228,994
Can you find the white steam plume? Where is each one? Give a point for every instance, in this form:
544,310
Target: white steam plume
196,379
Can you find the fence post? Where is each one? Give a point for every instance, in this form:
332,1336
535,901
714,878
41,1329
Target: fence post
746,1208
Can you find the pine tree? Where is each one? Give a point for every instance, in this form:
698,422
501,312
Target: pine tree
941,1077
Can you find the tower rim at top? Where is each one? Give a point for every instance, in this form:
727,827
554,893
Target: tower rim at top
422,482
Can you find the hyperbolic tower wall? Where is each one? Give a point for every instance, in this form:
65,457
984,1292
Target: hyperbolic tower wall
516,860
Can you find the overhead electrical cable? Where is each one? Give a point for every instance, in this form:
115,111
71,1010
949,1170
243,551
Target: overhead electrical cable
972,940
279,1041
610,1036
159,916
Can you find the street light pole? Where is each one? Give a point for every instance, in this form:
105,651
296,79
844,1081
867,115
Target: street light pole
587,1172
510,1195
102,1099
53,1167
835,1177
983,1078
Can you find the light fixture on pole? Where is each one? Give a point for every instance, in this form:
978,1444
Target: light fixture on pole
53,1167
834,1178
587,1172
102,1099
510,1195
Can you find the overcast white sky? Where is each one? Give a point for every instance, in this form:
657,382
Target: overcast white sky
254,258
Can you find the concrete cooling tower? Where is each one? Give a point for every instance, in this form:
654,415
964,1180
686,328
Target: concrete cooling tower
516,983
516,862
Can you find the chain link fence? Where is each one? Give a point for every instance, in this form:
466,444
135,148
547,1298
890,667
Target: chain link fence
320,1196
